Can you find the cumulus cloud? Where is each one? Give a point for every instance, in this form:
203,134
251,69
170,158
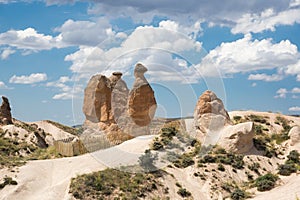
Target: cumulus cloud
294,109
266,20
3,85
67,89
293,69
32,78
246,54
147,44
6,53
265,77
29,39
281,93
87,33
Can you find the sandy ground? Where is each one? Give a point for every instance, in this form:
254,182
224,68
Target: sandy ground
50,179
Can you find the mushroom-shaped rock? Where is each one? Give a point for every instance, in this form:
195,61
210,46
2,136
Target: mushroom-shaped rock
141,102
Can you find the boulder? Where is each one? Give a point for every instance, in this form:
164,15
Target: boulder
5,112
141,103
294,135
237,138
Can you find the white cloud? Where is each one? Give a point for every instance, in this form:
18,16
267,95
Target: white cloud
66,87
87,33
145,44
254,84
29,39
295,90
32,78
281,93
265,77
293,69
246,54
266,20
6,53
294,109
3,85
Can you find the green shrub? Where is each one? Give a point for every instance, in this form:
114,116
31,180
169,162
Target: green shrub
183,192
147,161
294,157
109,183
238,194
8,181
287,169
221,167
184,161
266,182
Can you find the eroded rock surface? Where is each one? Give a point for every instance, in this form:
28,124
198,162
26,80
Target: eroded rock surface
5,112
141,103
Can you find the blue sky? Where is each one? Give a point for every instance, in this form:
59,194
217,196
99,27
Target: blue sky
247,52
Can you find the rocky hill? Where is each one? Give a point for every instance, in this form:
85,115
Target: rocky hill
215,155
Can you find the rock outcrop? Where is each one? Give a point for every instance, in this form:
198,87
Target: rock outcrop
237,138
104,99
110,108
213,126
141,103
294,135
5,112
210,113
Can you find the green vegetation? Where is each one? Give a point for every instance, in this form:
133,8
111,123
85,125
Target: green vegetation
8,181
184,160
266,182
114,184
257,118
254,167
221,156
184,192
263,143
14,152
291,164
147,161
238,194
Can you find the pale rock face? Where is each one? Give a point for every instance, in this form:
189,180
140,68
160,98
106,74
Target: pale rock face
237,138
213,126
141,103
294,134
210,113
5,112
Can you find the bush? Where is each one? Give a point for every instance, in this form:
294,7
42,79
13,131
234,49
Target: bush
238,194
287,169
294,157
184,161
147,161
221,167
8,181
266,182
183,192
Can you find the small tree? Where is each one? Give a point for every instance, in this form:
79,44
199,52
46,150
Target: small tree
147,160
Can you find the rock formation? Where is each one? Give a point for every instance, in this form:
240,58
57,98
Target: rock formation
237,138
294,135
110,108
210,113
100,95
141,103
213,126
5,112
